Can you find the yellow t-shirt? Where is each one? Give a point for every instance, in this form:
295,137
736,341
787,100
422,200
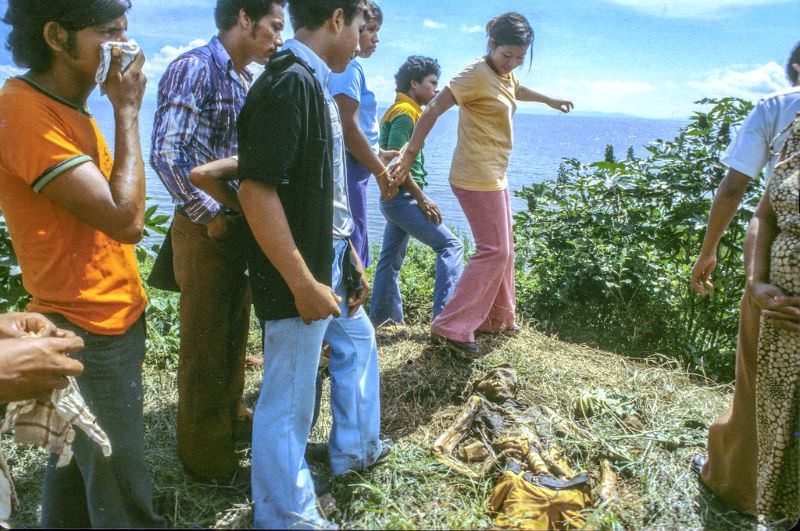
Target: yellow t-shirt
487,104
68,267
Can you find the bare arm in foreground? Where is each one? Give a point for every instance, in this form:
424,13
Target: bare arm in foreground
264,212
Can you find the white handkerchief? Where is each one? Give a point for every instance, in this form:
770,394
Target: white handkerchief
130,50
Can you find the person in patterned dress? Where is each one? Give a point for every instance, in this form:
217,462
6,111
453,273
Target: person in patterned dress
774,283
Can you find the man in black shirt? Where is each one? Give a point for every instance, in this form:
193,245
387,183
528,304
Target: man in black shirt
307,284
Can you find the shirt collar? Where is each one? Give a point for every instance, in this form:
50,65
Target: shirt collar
405,98
223,60
321,70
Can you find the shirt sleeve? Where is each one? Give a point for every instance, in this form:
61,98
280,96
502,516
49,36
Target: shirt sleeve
37,147
350,82
175,130
749,152
269,136
400,130
466,86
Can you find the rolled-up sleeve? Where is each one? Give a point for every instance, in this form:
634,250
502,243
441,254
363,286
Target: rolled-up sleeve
175,130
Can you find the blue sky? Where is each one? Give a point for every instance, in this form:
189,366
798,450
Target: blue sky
646,58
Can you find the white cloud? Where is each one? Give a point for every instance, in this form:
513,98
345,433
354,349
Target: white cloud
432,24
752,83
157,64
692,8
475,28
7,71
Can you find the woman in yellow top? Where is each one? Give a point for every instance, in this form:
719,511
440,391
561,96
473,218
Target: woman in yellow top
487,92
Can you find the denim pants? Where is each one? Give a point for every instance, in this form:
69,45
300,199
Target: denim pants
404,219
357,180
93,490
283,491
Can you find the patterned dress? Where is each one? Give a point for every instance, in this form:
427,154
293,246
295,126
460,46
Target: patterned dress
778,376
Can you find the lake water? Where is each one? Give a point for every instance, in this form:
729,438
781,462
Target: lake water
540,143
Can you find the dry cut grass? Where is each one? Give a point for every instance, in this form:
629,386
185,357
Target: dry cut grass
658,419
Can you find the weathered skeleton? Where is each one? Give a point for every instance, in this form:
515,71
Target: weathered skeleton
495,428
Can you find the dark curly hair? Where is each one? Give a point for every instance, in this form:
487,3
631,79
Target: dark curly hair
27,19
227,11
311,14
511,29
416,68
794,59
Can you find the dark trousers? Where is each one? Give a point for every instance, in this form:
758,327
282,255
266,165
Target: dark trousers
215,317
93,490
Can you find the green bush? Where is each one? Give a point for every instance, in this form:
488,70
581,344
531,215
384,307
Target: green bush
605,251
12,295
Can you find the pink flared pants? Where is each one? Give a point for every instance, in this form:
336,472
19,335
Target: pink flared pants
484,299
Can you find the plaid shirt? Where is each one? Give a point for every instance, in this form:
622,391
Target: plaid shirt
199,99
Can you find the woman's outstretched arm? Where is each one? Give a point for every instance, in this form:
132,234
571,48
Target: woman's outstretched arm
437,107
526,94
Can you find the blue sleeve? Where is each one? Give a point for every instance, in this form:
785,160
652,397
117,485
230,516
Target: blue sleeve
350,82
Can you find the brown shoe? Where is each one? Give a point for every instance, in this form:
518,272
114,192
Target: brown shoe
465,351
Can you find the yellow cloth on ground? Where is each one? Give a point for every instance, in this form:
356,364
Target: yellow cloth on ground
520,504
487,104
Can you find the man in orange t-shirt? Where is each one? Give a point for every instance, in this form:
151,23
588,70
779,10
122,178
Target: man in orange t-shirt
74,214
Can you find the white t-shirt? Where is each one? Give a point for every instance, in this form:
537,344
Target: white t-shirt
764,128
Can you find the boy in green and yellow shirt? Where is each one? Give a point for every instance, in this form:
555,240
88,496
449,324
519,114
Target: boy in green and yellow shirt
411,212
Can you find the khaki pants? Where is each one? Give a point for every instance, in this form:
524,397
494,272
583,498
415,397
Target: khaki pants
732,468
215,317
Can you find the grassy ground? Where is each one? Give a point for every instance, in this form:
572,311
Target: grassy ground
423,390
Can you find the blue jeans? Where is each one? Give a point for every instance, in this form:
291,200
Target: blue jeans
404,219
283,491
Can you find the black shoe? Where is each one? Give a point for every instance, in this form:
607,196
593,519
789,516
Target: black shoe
465,351
697,464
317,452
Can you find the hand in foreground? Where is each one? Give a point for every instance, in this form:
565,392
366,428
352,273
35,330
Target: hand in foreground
430,209
387,190
218,228
31,367
16,325
317,301
780,311
701,273
126,89
399,171
561,105
387,155
357,298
